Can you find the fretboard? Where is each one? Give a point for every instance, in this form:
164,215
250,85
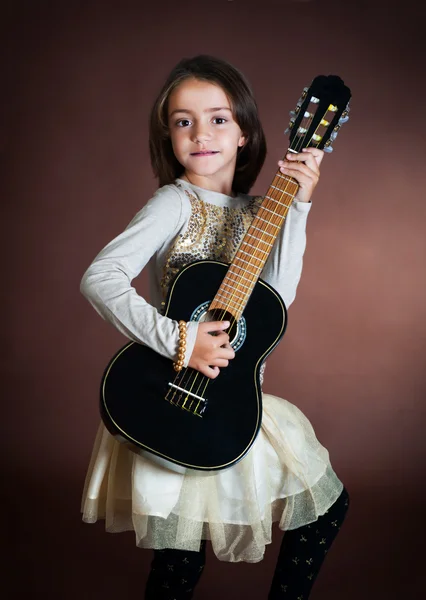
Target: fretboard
256,246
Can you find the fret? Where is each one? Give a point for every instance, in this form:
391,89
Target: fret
271,211
251,255
280,203
257,239
221,305
228,301
254,227
249,287
256,247
265,221
217,301
233,287
277,188
230,272
246,261
288,179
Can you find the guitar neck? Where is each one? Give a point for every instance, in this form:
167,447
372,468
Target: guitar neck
256,246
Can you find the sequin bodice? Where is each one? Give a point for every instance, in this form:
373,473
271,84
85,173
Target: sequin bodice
213,232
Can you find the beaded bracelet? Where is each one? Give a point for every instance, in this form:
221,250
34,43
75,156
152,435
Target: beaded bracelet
178,365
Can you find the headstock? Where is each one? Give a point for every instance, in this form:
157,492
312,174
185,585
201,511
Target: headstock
319,114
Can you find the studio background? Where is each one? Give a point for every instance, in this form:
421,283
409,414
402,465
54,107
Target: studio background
78,81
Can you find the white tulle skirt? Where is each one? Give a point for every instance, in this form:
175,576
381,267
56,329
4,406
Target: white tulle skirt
286,477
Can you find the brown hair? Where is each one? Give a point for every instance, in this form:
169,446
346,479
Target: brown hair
250,157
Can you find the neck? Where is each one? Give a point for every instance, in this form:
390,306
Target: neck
222,187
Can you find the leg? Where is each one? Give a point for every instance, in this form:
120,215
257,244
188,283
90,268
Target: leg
174,574
303,551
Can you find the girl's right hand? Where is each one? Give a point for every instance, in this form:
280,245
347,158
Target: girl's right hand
211,351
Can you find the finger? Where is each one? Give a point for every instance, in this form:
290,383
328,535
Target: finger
302,159
228,347
316,153
300,171
306,156
221,339
219,362
227,353
215,325
309,154
303,167
210,372
310,170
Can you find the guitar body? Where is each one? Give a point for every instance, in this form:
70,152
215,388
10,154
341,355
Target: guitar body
173,431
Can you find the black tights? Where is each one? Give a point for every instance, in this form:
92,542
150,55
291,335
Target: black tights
175,573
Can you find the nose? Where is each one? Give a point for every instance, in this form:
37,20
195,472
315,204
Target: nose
201,133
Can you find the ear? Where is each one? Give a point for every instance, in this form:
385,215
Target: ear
242,141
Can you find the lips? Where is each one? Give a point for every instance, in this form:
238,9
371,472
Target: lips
205,153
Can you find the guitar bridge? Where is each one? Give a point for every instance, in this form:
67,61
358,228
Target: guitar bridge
178,396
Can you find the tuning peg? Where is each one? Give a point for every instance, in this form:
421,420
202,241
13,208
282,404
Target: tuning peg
327,146
302,98
345,115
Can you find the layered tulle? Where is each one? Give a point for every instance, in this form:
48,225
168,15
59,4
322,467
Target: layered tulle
286,477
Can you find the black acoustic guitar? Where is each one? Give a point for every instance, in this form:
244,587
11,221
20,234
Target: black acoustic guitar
187,421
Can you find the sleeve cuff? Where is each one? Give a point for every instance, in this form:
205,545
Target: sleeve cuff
304,207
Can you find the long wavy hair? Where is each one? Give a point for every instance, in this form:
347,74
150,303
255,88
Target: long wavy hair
250,157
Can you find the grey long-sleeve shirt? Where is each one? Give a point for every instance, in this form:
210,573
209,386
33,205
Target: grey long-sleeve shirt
147,240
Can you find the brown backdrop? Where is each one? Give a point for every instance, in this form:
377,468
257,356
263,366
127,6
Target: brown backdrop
79,79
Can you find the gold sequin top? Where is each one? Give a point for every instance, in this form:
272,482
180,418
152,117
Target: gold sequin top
213,232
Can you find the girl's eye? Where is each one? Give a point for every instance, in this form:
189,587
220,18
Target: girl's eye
222,119
182,123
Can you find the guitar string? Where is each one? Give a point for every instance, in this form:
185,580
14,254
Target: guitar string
281,218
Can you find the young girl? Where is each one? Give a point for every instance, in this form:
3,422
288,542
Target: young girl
207,147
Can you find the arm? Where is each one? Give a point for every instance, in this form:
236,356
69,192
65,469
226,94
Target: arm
107,282
284,265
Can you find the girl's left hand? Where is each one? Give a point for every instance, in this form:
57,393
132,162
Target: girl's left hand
304,167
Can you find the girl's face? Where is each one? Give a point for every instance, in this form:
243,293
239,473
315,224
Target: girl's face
204,135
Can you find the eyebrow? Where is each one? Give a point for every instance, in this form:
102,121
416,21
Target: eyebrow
208,110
